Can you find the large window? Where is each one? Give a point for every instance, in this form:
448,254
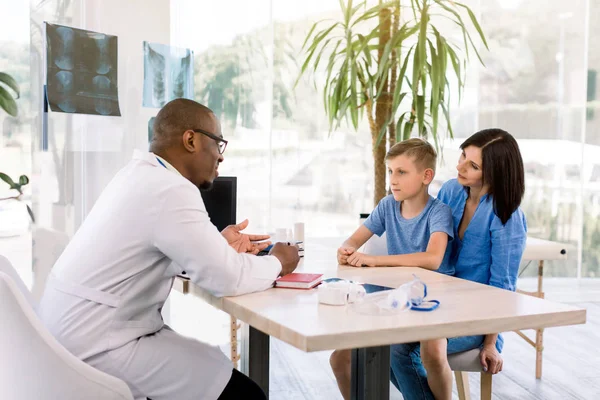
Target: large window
15,136
540,83
289,167
537,79
536,84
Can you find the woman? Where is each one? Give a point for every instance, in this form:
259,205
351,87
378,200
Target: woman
489,239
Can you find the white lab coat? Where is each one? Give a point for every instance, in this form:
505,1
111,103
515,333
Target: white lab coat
105,293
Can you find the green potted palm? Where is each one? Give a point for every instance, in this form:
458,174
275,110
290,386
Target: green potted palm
9,105
392,63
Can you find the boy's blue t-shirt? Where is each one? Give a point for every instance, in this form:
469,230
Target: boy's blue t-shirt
406,236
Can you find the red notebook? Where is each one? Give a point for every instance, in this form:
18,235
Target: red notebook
298,281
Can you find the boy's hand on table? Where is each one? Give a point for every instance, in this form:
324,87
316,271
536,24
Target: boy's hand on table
343,253
357,259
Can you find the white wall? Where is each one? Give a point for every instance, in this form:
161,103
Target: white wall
85,151
96,147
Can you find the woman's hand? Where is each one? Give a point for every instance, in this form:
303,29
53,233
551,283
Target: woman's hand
490,359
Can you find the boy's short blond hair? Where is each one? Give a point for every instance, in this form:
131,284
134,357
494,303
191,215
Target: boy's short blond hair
422,153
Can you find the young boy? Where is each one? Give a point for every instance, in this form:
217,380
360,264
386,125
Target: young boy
418,226
418,229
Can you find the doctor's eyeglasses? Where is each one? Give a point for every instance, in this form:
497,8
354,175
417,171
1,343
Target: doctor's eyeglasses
220,141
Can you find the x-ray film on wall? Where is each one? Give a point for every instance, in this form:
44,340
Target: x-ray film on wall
81,71
168,74
151,129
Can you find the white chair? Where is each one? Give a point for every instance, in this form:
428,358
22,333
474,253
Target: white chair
33,365
460,363
48,246
376,245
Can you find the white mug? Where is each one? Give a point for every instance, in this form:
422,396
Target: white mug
299,232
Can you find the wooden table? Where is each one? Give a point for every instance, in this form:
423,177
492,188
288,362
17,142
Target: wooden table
540,250
295,317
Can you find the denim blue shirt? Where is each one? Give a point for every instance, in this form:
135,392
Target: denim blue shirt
489,252
407,236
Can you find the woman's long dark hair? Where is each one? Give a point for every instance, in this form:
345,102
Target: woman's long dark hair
502,169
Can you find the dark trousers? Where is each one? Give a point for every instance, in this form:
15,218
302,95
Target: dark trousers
242,387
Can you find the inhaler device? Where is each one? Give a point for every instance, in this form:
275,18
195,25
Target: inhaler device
340,293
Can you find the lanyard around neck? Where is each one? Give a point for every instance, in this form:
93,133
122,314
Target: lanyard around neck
161,163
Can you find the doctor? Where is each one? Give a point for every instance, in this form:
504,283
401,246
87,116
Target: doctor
104,296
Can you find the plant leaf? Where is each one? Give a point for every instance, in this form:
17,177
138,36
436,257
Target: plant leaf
355,75
354,10
344,8
456,65
465,32
475,23
8,103
399,126
407,130
7,179
354,96
318,59
310,32
420,112
402,73
10,82
23,180
311,50
383,63
421,43
398,97
373,12
30,211
459,22
448,123
382,131
320,36
364,48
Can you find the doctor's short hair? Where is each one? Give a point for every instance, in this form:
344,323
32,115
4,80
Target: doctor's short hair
422,153
176,117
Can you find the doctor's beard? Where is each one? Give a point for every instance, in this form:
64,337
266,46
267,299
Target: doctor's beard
205,186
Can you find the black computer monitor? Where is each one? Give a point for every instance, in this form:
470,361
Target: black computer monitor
221,201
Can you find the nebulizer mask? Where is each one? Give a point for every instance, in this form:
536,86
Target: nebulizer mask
409,296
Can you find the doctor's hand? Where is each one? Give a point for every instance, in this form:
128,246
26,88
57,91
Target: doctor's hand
357,259
287,255
343,253
241,242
